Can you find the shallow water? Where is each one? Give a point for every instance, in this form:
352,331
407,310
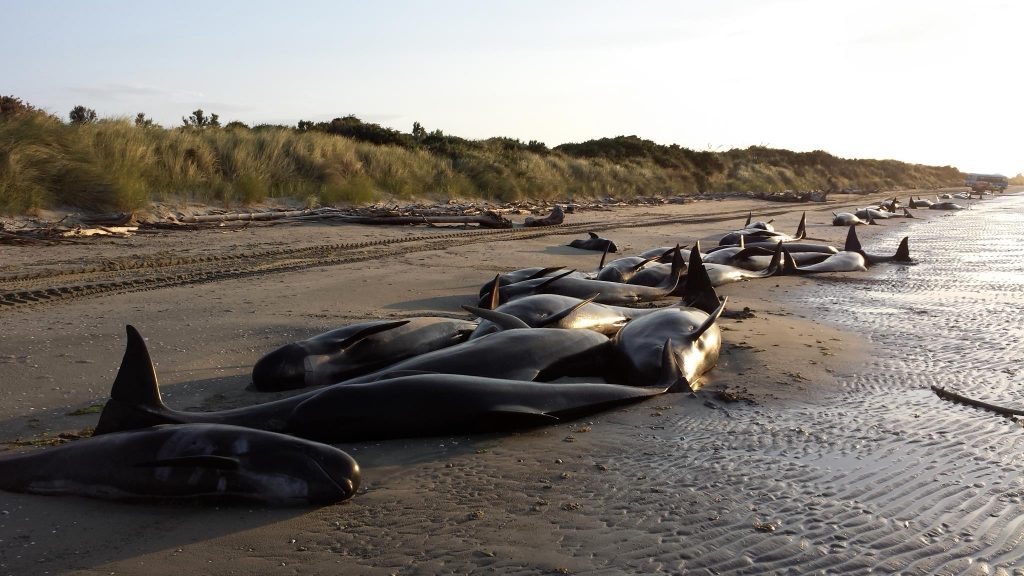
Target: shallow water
888,478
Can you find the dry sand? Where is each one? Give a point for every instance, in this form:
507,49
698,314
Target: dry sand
591,496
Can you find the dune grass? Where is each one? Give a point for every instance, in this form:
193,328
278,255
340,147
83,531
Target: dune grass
114,164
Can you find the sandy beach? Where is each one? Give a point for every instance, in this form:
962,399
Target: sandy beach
782,463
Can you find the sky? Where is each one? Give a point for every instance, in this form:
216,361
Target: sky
935,82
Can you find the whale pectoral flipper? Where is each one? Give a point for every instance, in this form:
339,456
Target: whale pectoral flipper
369,331
554,319
501,319
198,461
522,416
399,374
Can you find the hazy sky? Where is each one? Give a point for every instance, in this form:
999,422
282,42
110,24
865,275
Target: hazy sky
931,81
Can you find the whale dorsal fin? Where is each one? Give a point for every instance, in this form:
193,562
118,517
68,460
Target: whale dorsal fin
743,241
593,235
749,218
698,292
677,272
773,265
907,214
135,400
789,266
136,381
603,256
495,293
903,251
852,242
501,319
801,229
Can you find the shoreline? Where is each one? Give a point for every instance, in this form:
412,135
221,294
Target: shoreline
428,505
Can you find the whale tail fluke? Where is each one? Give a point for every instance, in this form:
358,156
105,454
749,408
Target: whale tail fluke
135,400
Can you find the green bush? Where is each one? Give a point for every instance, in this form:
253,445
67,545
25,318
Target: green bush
123,164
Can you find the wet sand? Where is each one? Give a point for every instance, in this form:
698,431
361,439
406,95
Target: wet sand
834,457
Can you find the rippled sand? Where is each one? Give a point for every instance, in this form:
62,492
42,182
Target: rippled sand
837,458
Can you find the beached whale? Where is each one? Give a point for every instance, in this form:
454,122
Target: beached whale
685,340
848,219
759,235
845,261
188,461
721,274
354,350
406,404
759,224
607,292
552,311
945,205
623,269
444,404
595,242
902,255
524,274
537,354
873,214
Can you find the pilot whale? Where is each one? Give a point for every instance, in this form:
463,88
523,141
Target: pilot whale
354,350
685,341
595,242
188,461
402,404
542,353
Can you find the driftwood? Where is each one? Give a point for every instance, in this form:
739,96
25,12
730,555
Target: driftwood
555,218
244,216
485,220
954,397
371,216
119,231
34,237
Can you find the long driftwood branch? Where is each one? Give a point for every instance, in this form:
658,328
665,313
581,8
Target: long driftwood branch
954,397
486,219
